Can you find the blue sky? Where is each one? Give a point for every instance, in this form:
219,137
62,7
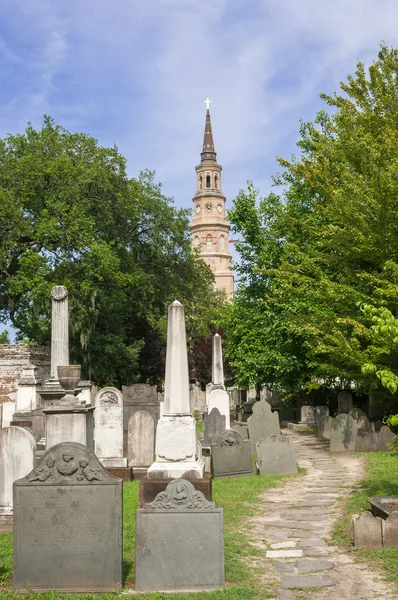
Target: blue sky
135,73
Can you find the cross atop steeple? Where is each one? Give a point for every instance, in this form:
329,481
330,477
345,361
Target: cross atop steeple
208,102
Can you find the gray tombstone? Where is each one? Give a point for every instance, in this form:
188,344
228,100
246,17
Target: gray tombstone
356,413
139,396
242,429
344,401
179,541
17,457
325,427
366,436
389,528
214,426
367,531
343,435
68,524
141,440
320,412
307,414
384,437
276,454
262,423
231,456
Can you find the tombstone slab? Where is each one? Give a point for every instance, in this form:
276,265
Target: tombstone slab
17,457
108,432
366,435
367,531
262,423
179,541
325,427
343,434
231,456
141,440
389,528
214,426
384,437
219,399
68,524
313,414
344,401
276,454
139,396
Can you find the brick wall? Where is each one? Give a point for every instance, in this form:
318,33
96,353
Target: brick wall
12,358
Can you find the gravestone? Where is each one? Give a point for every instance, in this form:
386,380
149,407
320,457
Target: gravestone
344,401
141,442
307,414
343,434
384,437
214,426
262,423
356,413
325,427
276,454
219,399
366,436
367,531
179,541
139,396
68,524
17,457
108,432
243,430
231,456
389,528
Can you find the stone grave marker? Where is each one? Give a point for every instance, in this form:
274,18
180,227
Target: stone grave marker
231,456
262,423
214,426
179,541
366,436
344,401
276,454
313,414
219,399
389,528
325,427
108,431
141,442
68,524
139,396
242,429
356,413
384,437
367,531
17,458
343,435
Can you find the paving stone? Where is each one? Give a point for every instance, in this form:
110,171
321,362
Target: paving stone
284,553
284,567
302,534
312,518
315,503
306,581
294,525
309,566
312,543
316,552
281,545
310,511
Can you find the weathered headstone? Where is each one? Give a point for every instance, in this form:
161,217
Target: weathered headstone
139,396
367,531
325,428
384,437
389,528
356,413
344,401
262,423
276,454
214,426
108,432
243,430
366,436
219,399
179,541
231,456
17,457
68,524
343,435
307,414
141,441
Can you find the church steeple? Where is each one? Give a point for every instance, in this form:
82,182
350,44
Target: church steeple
208,151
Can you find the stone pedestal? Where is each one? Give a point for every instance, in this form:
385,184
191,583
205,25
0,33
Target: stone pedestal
69,423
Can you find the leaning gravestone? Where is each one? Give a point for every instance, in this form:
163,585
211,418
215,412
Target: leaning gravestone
68,524
262,423
17,458
384,437
141,441
179,541
231,456
214,426
344,401
108,431
366,436
276,454
325,428
343,435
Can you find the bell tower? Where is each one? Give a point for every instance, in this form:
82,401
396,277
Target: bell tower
209,228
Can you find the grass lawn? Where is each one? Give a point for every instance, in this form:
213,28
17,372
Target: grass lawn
238,496
381,480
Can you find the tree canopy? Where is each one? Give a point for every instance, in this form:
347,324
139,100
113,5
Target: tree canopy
70,215
315,253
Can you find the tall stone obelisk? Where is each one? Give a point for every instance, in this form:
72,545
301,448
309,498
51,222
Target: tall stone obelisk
59,329
178,452
217,370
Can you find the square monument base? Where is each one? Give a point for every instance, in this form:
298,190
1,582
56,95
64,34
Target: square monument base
69,424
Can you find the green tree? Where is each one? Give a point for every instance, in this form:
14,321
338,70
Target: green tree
4,337
326,244
70,215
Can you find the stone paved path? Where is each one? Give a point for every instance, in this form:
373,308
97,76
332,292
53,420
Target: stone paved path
297,518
